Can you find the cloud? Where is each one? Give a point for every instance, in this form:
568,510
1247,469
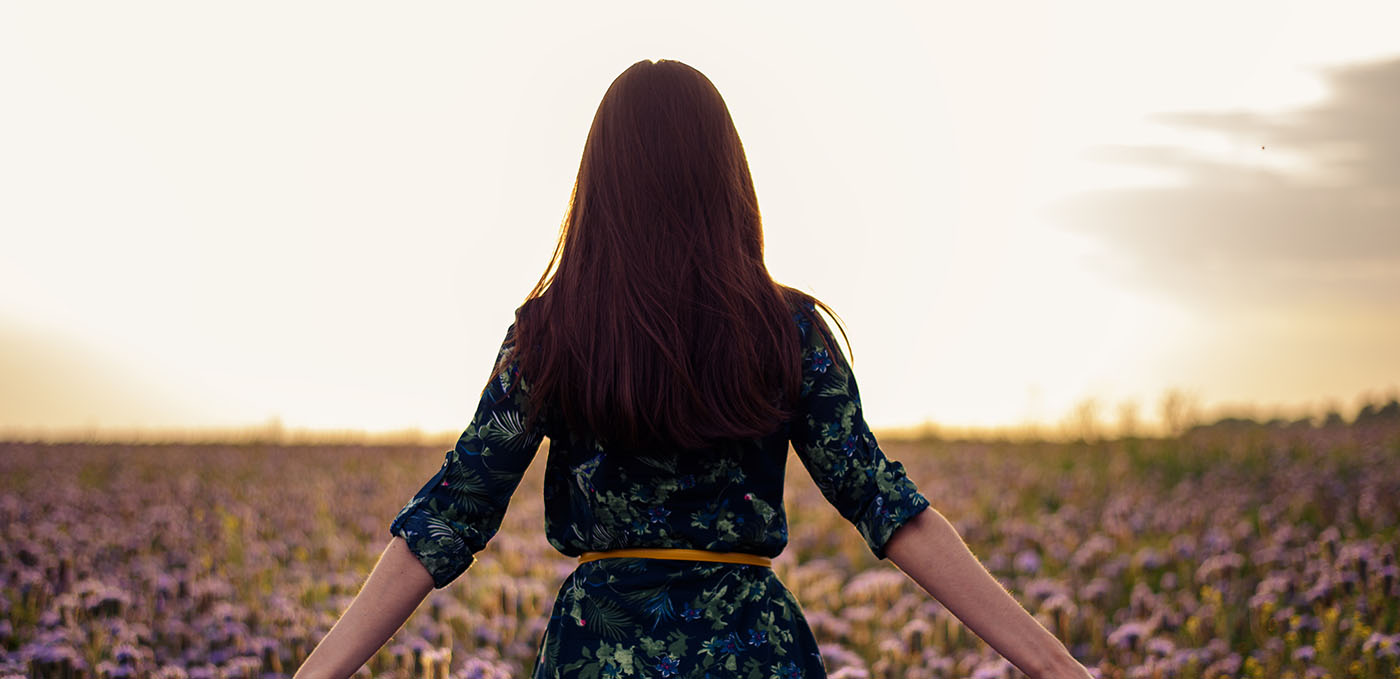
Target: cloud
1242,232
1353,130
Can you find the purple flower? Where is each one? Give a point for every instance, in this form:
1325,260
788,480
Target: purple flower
820,360
1149,558
1219,567
789,670
1041,589
1383,645
690,613
1027,561
658,514
991,670
1128,634
1228,665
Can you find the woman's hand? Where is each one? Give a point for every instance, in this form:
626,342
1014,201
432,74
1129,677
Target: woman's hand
395,587
929,550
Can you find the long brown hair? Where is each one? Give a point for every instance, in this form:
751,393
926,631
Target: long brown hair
656,321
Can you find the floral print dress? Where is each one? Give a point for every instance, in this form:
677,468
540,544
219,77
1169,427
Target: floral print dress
641,617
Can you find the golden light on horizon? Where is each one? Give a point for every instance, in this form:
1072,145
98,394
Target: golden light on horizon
1012,216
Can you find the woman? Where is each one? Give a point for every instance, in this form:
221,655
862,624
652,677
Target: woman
670,373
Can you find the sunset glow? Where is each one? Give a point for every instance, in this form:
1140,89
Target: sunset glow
213,216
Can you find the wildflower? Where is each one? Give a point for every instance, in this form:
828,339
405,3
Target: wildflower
991,670
916,633
1128,634
1160,646
1183,547
1096,590
1322,590
1148,558
1309,622
1358,555
1059,603
1219,566
1168,581
1041,589
1382,645
849,672
1226,666
1388,575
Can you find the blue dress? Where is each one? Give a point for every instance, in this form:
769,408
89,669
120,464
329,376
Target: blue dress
640,617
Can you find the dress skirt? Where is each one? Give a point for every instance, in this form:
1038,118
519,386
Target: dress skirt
644,617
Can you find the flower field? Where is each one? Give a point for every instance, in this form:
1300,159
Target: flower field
1260,552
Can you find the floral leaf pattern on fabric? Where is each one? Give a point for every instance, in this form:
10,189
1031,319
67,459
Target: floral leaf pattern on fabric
835,444
460,508
637,617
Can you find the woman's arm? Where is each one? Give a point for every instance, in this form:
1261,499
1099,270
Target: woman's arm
395,587
929,550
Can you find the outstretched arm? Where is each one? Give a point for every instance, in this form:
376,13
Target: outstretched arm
395,587
929,550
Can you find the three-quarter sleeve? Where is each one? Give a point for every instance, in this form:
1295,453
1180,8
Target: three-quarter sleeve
461,507
836,446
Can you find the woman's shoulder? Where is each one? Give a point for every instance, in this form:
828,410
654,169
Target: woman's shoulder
529,309
806,316
802,305
507,355
530,305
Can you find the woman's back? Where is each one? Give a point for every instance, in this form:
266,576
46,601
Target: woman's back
668,615
671,374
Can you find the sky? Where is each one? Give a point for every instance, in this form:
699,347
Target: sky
325,213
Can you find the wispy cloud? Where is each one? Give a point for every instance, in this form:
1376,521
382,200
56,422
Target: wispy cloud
1241,232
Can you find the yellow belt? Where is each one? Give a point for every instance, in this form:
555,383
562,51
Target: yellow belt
682,554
